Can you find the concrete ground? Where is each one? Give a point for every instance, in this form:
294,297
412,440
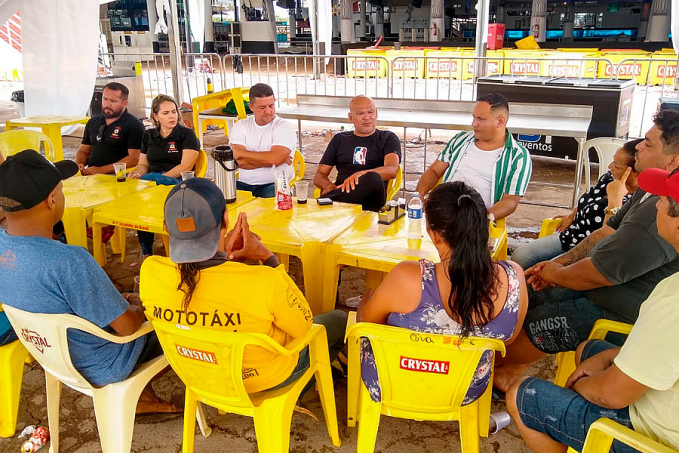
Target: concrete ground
232,433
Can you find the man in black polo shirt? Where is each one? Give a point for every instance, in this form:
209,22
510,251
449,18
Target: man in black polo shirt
112,137
366,158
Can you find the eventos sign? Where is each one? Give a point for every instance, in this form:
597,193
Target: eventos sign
424,366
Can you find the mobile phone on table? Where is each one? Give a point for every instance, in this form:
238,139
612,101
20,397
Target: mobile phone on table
324,201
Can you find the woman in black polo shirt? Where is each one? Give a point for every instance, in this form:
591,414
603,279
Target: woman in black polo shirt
166,151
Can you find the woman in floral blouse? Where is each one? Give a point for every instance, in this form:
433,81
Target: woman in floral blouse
465,294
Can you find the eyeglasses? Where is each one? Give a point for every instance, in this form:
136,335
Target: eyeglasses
100,133
673,172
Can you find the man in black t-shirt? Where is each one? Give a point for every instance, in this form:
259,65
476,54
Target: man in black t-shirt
112,137
365,159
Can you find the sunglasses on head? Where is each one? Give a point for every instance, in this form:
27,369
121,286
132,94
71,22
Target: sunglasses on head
100,133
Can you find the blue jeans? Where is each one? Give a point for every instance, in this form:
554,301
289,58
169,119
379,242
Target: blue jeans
8,337
563,414
258,190
538,250
335,323
161,179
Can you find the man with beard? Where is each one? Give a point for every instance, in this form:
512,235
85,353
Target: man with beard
112,137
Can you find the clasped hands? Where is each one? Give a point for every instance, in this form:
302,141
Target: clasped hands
542,274
242,244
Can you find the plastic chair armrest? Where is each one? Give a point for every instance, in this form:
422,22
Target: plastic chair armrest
603,326
351,320
296,345
603,431
145,328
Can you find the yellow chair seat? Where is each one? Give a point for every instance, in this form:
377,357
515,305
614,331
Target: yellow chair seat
12,359
603,431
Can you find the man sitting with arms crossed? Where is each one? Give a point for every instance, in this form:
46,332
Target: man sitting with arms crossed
42,275
636,385
113,137
607,275
366,159
261,141
487,158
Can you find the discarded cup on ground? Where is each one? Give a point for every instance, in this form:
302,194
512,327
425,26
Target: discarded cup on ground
188,175
498,420
136,284
119,170
301,191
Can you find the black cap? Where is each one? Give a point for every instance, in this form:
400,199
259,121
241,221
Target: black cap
27,178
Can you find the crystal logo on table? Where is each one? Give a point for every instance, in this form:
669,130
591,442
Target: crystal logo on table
34,338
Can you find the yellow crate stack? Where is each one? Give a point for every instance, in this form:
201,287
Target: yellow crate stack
637,70
403,67
369,65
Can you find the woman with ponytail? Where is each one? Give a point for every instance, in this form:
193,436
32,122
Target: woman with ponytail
465,294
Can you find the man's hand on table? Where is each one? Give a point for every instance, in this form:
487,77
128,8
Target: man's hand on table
242,244
91,171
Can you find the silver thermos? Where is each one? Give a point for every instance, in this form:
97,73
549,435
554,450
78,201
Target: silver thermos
225,171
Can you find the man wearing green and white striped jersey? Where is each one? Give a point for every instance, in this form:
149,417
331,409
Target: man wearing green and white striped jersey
487,158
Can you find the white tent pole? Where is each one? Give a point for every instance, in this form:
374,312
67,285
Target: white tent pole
175,53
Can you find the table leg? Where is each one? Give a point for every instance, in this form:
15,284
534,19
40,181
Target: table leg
229,127
373,278
97,248
330,276
312,256
53,131
403,159
578,171
299,134
75,226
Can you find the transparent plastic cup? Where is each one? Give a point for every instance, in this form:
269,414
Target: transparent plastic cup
188,175
119,170
301,191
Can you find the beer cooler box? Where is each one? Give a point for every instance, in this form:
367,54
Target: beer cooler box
611,101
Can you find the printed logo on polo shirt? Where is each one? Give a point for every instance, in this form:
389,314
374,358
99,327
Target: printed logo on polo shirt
172,147
116,132
359,155
35,339
7,260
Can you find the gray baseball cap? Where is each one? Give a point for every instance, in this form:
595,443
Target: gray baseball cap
193,215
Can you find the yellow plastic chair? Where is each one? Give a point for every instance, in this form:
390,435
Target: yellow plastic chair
215,378
393,186
44,336
548,227
12,359
200,167
602,432
298,166
565,361
12,142
408,391
216,100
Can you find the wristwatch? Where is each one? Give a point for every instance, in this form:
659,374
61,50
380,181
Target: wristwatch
612,211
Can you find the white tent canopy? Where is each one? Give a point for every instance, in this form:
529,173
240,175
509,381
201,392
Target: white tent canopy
59,50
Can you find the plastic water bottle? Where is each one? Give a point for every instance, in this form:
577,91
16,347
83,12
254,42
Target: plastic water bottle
415,217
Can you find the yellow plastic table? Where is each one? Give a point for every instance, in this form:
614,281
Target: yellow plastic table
304,232
141,211
84,193
51,126
378,249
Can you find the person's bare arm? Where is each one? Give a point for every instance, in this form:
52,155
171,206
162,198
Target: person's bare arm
129,322
580,276
322,180
430,177
189,157
582,250
82,155
248,160
400,292
387,171
506,206
141,169
132,159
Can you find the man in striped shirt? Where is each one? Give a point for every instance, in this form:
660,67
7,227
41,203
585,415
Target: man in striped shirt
487,158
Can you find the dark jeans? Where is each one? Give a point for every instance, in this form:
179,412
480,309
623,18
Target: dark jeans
563,414
8,337
335,323
370,193
258,190
559,319
151,349
146,242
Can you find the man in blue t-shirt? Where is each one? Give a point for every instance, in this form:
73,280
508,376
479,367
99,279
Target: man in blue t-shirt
42,275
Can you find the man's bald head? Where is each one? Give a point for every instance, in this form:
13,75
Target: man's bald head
363,114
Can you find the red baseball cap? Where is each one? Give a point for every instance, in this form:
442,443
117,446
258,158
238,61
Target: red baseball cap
660,182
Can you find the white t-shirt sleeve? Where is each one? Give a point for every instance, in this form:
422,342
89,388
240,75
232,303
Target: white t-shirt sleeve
284,135
238,133
651,346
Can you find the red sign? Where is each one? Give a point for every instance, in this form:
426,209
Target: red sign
196,354
671,71
627,69
365,65
443,66
405,65
529,67
425,366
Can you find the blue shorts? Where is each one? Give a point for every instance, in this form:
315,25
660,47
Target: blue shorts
258,190
563,414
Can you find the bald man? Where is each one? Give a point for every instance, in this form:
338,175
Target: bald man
366,159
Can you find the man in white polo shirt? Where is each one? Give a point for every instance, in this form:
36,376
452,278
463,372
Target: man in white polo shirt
260,142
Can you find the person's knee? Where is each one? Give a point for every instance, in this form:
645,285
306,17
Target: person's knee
335,323
511,396
371,178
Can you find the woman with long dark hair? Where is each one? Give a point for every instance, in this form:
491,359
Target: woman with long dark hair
465,294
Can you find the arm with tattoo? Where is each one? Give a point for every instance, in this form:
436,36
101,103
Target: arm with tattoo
582,250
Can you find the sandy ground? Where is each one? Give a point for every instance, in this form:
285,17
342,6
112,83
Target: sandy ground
232,433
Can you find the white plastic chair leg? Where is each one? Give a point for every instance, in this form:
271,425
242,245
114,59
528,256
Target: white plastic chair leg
205,429
53,389
114,408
